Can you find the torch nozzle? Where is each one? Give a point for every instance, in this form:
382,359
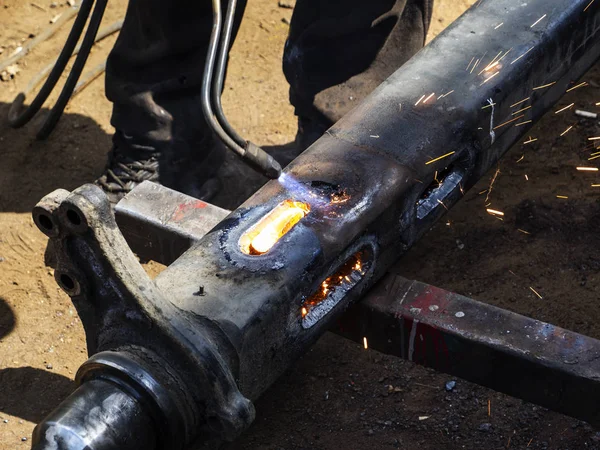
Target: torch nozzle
262,161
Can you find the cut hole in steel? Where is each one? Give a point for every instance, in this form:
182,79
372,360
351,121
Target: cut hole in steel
73,217
335,287
45,222
264,235
67,282
444,184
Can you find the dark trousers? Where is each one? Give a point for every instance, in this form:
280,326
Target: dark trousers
337,52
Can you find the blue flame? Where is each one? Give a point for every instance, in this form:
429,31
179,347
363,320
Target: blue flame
301,191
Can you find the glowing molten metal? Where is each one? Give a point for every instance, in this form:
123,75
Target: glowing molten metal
263,236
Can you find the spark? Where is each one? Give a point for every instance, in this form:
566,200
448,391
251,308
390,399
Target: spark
596,138
470,63
597,153
521,110
474,65
522,123
438,158
521,158
482,192
430,95
304,312
512,120
519,102
566,131
565,108
587,169
521,56
491,62
536,292
419,101
489,408
498,26
593,157
375,136
506,53
488,105
489,78
544,86
531,440
494,212
442,203
365,343
530,140
523,231
590,4
538,21
526,177
595,185
492,184
562,196
446,94
578,86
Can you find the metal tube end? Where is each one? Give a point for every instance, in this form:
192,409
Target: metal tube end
262,161
97,416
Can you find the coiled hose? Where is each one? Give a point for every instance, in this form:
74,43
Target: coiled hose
17,116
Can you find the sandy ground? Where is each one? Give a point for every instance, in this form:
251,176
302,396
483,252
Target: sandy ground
338,395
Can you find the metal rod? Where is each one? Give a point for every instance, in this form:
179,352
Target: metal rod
207,82
220,74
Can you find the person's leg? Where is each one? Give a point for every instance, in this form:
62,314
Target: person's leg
153,78
338,51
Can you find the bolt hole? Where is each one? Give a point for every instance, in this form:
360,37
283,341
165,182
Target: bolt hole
73,217
45,222
67,281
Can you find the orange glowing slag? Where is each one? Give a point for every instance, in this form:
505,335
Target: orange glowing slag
342,279
263,236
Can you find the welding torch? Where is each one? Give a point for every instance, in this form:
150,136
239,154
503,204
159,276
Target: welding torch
212,88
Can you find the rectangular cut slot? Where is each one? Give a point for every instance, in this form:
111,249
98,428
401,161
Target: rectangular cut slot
334,288
260,238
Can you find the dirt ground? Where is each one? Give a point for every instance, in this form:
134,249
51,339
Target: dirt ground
337,396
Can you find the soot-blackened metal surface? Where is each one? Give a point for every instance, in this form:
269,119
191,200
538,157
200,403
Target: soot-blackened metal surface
510,353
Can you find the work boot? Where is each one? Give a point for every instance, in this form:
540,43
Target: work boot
194,175
124,172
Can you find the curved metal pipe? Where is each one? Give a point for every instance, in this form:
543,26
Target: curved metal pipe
207,82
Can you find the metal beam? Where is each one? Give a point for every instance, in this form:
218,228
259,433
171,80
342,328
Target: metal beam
507,352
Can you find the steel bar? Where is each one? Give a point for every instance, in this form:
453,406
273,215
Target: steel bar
161,224
525,358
